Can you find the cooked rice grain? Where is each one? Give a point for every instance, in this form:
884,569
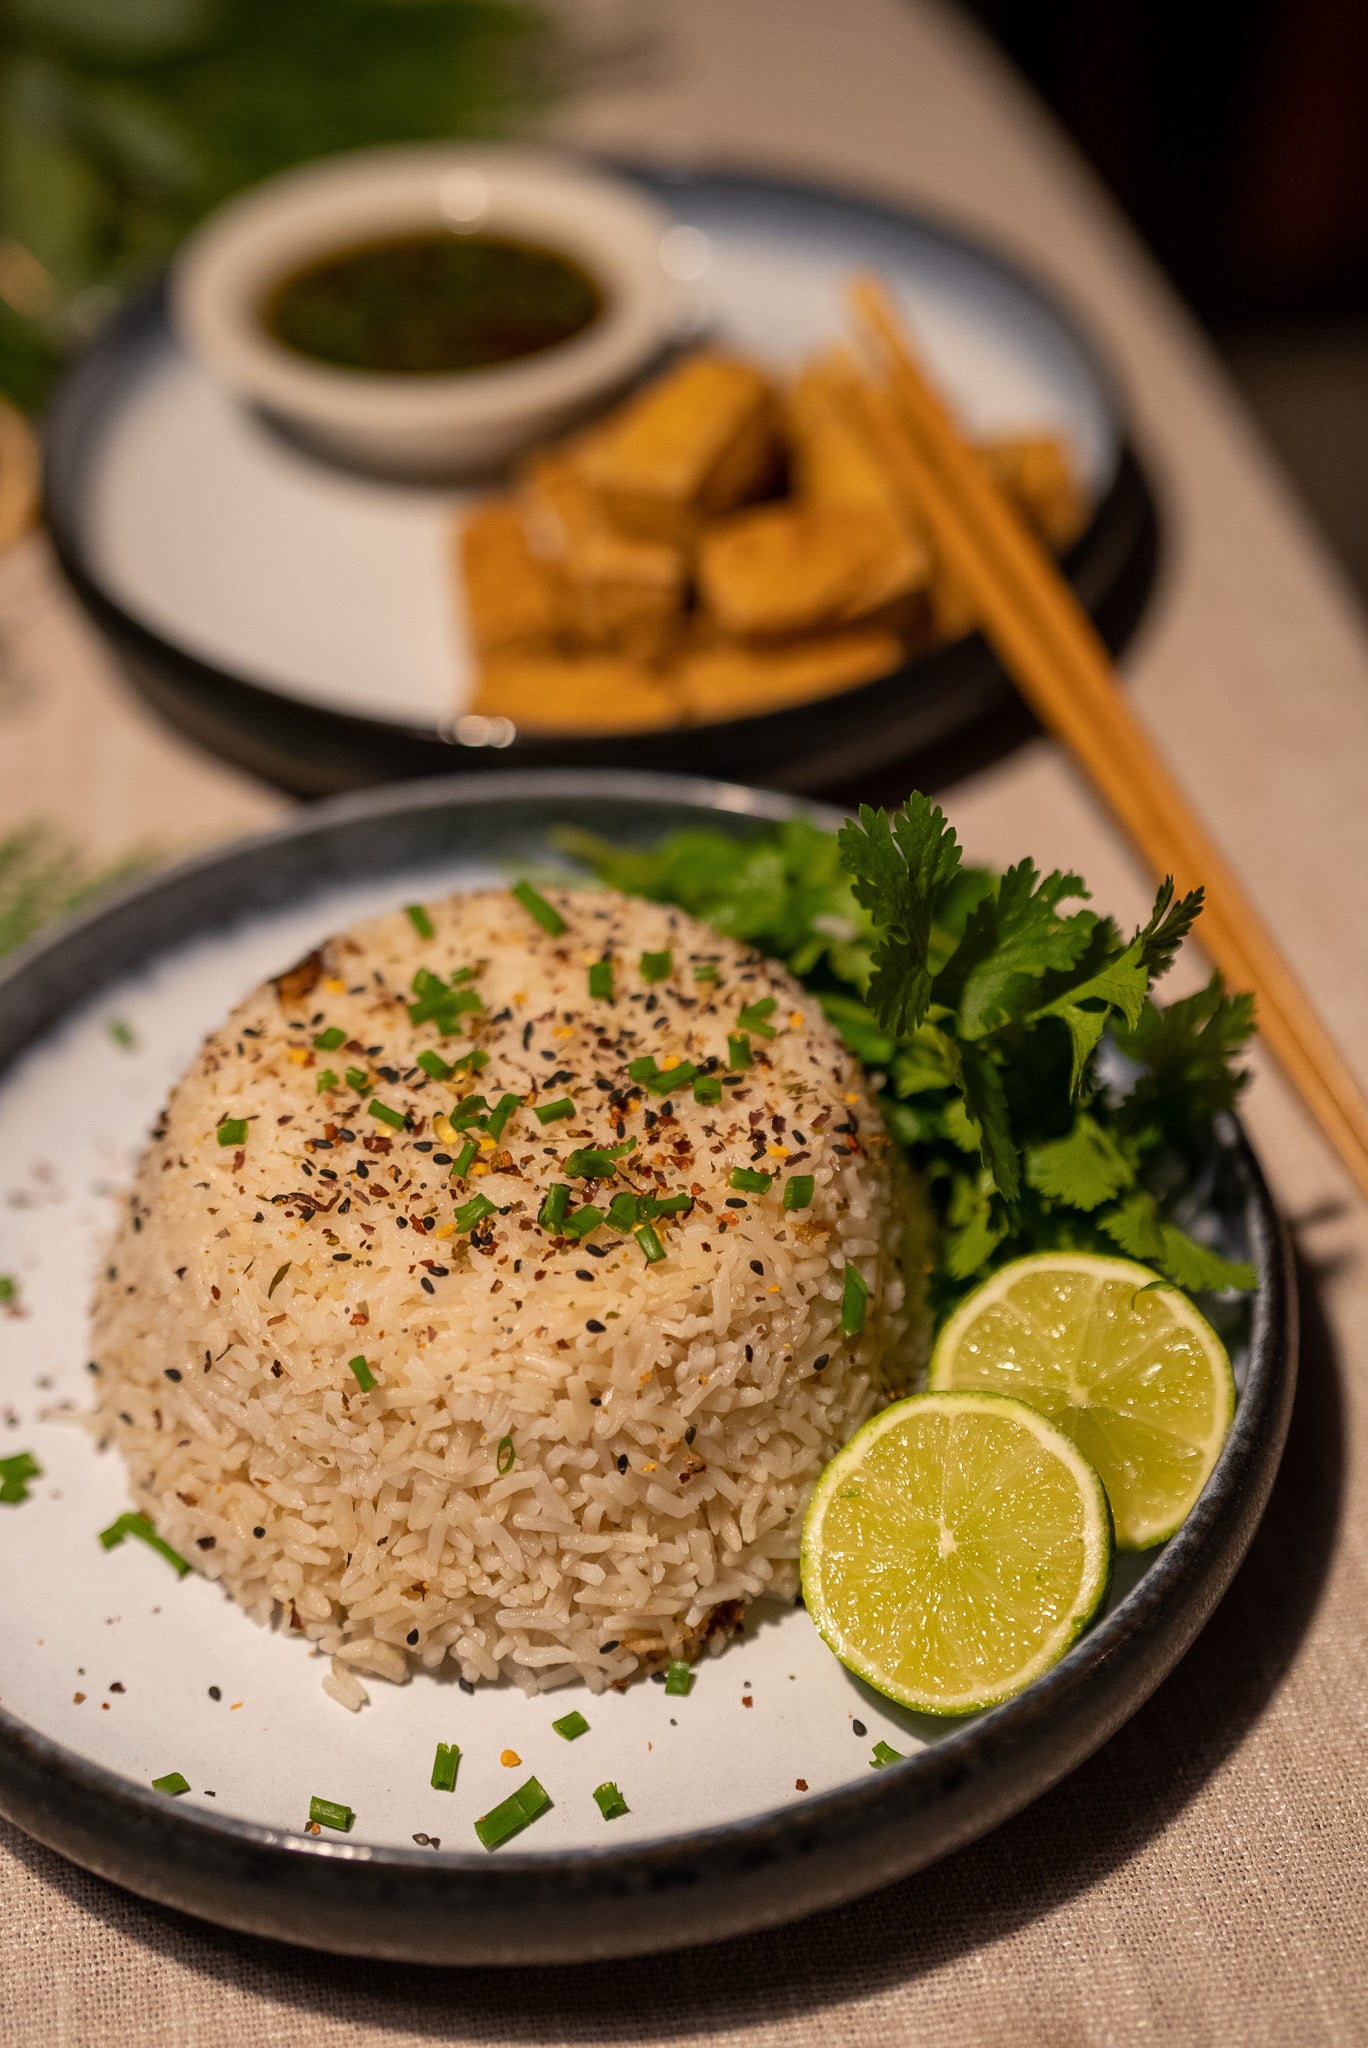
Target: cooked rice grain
666,1422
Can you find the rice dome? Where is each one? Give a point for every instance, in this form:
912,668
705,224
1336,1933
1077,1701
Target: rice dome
362,1385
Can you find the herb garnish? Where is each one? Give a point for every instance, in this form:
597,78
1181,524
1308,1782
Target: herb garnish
993,1009
571,1726
15,1474
512,1814
609,1800
139,1526
327,1813
361,1372
546,915
444,1766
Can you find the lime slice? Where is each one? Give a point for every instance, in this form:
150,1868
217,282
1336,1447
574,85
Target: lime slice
954,1549
1115,1357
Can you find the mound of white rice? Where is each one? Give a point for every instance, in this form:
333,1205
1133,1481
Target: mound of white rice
572,1463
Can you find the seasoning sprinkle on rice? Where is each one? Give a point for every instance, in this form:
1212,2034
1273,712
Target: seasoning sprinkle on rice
667,1416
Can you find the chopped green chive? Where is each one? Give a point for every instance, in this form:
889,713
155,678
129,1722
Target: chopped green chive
854,1301
365,1378
552,1212
601,981
547,916
497,1121
668,1205
437,1004
326,1079
706,970
465,1159
15,1474
512,1815
598,1162
738,1050
798,1190
419,919
708,1088
652,1250
581,1223
139,1526
661,1080
748,1180
444,1767
173,1783
329,1040
552,1112
9,1289
884,1754
678,1679
609,1801
472,1111
656,966
279,1275
752,1018
328,1814
123,1034
474,1060
571,1725
507,1456
382,1112
359,1079
474,1211
233,1131
432,1063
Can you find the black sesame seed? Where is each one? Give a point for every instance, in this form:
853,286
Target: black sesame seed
858,1728
735,1202
361,1169
258,1532
215,1693
465,1685
604,1648
583,1273
757,1265
348,1136
596,1326
427,1285
691,1432
341,1258
441,1159
205,1542
412,1636
598,1251
172,1372
622,1462
422,1144
390,1074
657,1678
527,1035
818,1363
595,1400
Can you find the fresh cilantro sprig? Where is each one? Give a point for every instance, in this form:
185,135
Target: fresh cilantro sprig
1025,1066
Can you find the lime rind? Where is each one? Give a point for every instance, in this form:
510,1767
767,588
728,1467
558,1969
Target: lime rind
1094,1577
1143,1516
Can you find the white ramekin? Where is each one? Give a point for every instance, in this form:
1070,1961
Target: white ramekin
463,425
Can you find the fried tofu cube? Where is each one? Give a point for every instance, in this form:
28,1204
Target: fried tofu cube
1035,472
513,599
701,440
778,570
723,680
576,693
831,461
619,593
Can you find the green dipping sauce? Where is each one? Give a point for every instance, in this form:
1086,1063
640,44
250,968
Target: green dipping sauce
431,304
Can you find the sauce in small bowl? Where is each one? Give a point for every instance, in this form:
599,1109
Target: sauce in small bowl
432,304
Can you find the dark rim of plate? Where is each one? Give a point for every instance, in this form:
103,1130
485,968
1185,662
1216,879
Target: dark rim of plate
313,749
397,828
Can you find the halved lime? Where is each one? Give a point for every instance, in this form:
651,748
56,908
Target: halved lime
1115,1357
954,1549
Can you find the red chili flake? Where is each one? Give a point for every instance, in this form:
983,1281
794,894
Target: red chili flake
800,1784
746,1700
214,1291
77,1698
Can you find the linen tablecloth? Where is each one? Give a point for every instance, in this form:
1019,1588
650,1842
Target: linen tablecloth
1205,1877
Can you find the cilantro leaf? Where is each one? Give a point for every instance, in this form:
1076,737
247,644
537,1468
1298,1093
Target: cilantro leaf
1084,1169
1143,1232
1012,939
901,868
985,1100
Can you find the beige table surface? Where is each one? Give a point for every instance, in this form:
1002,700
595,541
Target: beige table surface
1205,1877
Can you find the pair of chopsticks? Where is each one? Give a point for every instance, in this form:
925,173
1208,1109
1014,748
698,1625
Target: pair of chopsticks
1050,647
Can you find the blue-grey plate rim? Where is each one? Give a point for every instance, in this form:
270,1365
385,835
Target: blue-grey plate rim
460,1907
311,750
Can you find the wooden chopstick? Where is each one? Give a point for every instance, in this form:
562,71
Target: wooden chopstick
1049,645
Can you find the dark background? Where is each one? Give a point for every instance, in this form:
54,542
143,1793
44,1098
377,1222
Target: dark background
1235,135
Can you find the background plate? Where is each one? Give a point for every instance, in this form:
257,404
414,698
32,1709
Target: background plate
107,1660
303,619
